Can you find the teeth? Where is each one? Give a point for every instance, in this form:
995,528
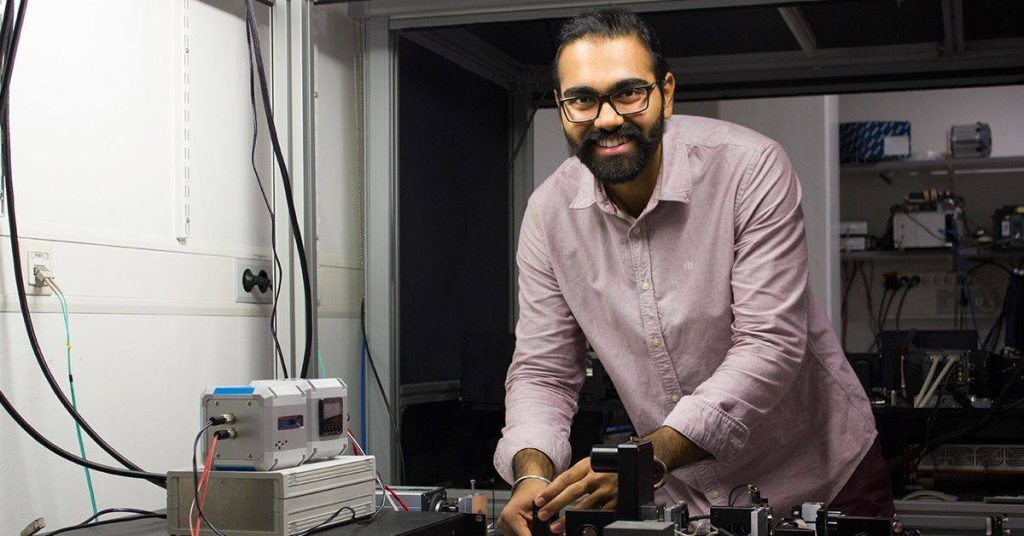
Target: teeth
611,141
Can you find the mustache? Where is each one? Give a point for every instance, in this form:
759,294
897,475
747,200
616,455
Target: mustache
627,130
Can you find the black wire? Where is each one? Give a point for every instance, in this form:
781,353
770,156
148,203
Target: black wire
195,481
698,518
869,299
899,308
996,409
278,271
10,39
80,526
380,385
331,518
383,501
155,478
118,511
286,182
883,312
857,266
930,425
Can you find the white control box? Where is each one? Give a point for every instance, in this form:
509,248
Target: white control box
276,503
325,414
269,426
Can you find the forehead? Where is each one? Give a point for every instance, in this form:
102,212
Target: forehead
600,62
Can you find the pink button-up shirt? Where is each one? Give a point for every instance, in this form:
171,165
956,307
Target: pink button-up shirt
701,313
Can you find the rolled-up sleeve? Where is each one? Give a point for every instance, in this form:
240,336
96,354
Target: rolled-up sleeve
547,369
769,329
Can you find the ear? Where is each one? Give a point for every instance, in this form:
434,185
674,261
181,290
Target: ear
668,89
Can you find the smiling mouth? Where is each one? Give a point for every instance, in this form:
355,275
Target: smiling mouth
612,141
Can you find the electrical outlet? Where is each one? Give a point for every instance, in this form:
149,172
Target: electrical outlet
253,281
37,257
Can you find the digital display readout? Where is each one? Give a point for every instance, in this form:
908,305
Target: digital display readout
289,422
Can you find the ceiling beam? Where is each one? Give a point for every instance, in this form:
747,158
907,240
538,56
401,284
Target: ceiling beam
896,62
953,27
471,53
428,13
801,28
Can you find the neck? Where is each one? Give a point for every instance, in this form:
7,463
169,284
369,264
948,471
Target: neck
633,196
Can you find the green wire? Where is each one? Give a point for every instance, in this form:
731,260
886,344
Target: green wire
74,401
320,365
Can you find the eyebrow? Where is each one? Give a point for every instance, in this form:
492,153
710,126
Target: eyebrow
578,91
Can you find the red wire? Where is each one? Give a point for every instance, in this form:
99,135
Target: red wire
355,444
204,480
359,450
395,495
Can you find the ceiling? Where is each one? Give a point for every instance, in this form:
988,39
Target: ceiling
784,48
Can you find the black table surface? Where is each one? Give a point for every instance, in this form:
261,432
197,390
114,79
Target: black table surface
388,523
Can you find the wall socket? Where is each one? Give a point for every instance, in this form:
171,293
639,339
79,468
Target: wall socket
37,256
255,268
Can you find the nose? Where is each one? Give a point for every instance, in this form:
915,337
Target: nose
607,118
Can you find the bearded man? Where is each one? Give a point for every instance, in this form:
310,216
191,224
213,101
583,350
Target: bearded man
675,246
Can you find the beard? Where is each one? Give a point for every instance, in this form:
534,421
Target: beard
620,168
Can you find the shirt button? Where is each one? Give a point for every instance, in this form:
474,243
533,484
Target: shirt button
636,231
655,342
646,285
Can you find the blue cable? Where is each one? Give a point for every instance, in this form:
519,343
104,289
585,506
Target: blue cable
320,365
74,401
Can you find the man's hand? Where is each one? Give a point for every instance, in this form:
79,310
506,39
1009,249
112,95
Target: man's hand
518,512
601,490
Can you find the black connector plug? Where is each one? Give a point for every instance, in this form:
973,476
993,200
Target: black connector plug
248,280
229,433
263,282
226,418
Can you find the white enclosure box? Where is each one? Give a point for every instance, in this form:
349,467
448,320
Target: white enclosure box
269,423
326,404
283,502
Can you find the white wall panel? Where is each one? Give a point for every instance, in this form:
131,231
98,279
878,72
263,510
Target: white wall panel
339,200
92,114
339,194
96,161
226,205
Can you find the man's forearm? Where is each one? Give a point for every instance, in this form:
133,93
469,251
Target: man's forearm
675,449
532,462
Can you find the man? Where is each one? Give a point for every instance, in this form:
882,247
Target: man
675,247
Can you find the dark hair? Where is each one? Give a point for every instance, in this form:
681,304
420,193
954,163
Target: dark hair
608,23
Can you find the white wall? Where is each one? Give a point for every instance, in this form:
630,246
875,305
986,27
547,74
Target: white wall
98,146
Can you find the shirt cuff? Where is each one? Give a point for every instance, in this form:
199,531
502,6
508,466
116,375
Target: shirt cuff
547,440
710,428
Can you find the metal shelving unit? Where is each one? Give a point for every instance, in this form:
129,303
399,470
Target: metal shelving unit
938,167
929,254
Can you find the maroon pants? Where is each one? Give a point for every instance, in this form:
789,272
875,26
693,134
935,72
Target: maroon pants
868,492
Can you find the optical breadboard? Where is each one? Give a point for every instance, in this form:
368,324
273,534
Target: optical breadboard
276,503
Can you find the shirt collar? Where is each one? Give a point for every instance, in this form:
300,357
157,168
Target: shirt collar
674,179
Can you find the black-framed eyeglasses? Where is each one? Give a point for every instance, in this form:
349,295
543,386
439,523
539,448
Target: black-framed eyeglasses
626,101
